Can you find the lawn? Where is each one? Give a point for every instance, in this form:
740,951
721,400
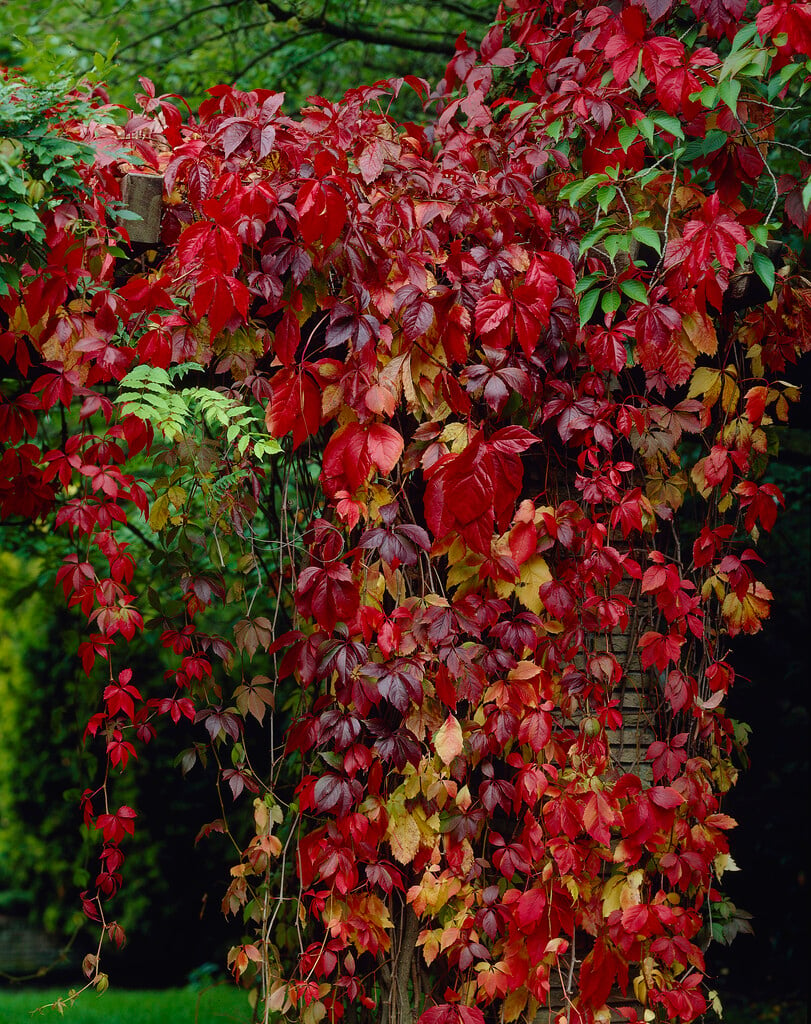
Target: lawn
222,1004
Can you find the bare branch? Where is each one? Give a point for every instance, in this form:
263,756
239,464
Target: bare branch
402,40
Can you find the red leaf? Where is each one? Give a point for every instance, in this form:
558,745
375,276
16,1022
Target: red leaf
665,797
295,405
623,48
529,909
351,453
329,594
209,245
322,212
385,446
720,15
715,236
494,319
236,130
599,970
459,496
679,690
660,650
606,349
448,1013
346,463
598,816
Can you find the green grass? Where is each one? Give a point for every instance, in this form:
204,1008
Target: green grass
222,1004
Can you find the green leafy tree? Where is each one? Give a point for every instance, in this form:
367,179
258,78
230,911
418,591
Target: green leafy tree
302,47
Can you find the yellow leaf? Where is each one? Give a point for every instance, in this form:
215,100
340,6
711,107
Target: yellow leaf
378,497
731,393
411,787
524,671
432,894
514,1003
630,895
701,333
448,740
279,1000
455,435
724,862
332,402
534,572
177,496
463,798
403,835
707,383
313,1013
159,513
745,615
261,816
428,827
429,940
669,491
464,574
611,894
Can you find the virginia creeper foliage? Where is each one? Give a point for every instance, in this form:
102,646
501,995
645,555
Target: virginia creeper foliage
450,438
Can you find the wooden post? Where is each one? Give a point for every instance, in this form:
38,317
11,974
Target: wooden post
142,194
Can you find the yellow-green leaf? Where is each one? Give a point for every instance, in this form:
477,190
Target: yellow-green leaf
448,740
159,513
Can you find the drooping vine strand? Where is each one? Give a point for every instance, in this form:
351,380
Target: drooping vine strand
448,441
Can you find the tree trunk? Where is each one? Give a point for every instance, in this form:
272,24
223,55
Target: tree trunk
400,1007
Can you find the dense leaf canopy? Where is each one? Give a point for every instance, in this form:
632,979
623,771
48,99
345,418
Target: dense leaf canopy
447,438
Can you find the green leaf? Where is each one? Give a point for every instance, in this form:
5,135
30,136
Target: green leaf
735,61
142,373
627,135
267,446
714,140
764,268
728,92
806,196
617,243
743,36
741,254
610,302
708,96
646,128
554,129
183,368
635,290
779,82
122,213
594,236
606,196
588,304
575,190
703,147
647,236
670,124
585,283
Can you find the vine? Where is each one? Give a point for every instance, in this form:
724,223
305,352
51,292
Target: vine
459,512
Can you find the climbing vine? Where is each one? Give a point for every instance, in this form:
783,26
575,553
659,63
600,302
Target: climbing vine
449,438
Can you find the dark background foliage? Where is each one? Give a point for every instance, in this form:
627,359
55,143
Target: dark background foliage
305,48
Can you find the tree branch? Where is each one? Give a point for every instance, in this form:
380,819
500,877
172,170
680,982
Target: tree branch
175,24
361,34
